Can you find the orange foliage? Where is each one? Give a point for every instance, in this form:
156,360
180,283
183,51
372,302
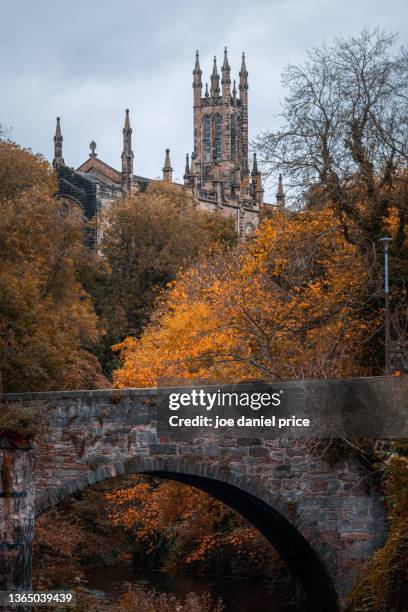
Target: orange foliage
198,528
47,322
21,170
286,304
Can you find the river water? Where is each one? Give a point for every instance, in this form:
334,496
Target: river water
237,594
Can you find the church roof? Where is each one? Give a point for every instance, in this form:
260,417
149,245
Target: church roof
88,176
94,163
141,179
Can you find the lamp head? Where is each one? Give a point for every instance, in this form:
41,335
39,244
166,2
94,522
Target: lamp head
385,242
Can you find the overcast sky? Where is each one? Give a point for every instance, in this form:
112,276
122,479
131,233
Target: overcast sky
87,61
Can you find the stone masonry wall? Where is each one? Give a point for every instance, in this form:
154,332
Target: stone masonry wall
16,513
88,436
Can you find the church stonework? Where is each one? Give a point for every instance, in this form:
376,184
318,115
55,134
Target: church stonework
218,173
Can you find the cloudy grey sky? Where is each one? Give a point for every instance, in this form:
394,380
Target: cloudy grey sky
87,61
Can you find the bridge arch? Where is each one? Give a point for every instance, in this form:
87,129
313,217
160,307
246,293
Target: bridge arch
261,509
326,515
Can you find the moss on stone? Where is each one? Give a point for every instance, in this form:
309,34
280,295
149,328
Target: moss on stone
384,586
19,420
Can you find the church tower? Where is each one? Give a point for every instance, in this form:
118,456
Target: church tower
216,174
219,173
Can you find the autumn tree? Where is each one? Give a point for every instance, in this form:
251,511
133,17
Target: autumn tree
384,584
289,303
184,529
21,170
47,323
147,239
343,142
311,294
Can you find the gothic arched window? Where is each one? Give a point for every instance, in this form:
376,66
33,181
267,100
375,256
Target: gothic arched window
207,137
218,136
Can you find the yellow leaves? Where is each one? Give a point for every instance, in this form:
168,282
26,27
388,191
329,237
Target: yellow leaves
149,239
396,473
384,580
197,526
47,319
284,304
21,171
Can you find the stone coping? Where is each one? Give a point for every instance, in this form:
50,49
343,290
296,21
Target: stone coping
143,391
77,394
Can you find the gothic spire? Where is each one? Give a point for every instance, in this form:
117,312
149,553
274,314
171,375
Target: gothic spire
187,170
255,171
127,133
243,75
58,159
197,69
207,95
234,92
225,65
197,64
226,79
243,96
215,80
167,169
127,121
197,72
127,153
197,87
225,68
243,65
58,134
257,189
280,194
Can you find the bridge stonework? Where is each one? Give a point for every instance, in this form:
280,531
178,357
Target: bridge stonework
325,519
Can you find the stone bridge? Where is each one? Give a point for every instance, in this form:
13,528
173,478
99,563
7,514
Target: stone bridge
325,519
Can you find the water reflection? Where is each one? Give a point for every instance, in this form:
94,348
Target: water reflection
237,594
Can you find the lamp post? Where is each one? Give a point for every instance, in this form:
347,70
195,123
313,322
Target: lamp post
386,242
